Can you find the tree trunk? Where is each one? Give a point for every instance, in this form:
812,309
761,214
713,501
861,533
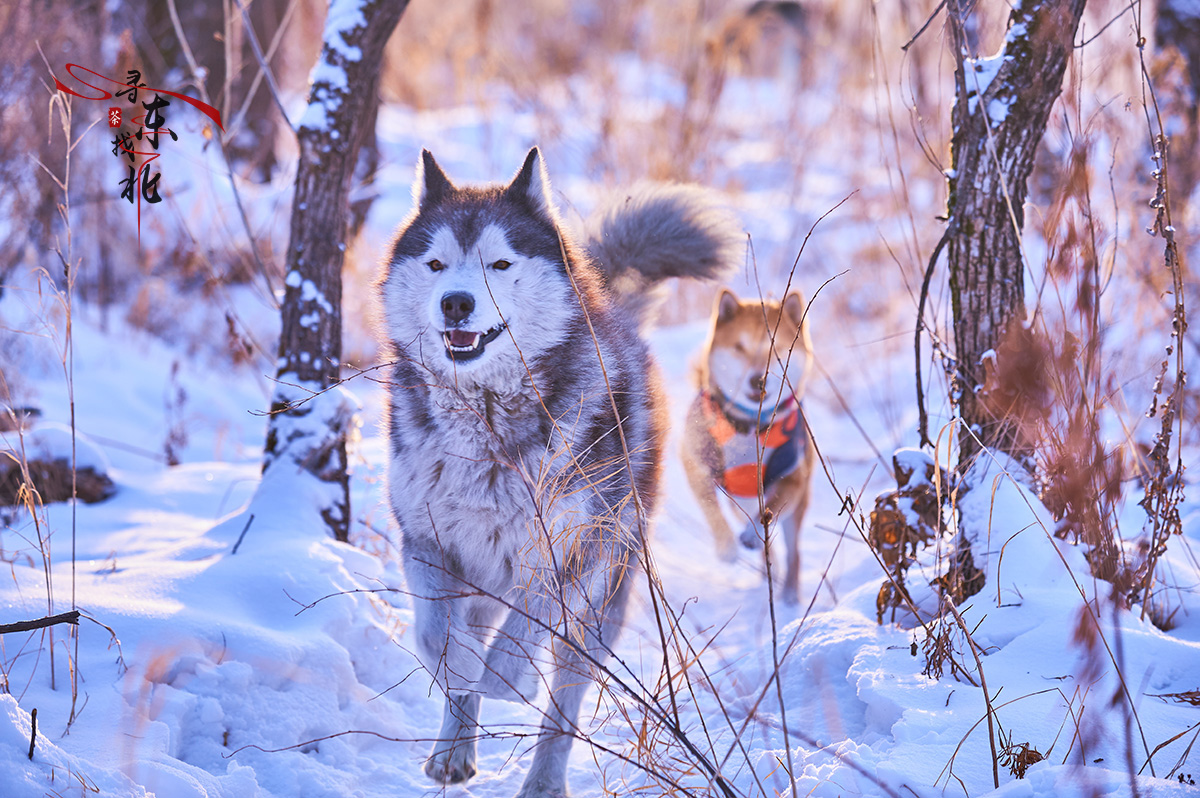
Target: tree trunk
308,427
1001,108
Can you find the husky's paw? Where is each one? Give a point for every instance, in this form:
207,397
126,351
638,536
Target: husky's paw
751,537
451,765
509,677
527,793
543,788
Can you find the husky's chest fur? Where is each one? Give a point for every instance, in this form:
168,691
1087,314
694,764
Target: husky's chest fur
457,465
490,477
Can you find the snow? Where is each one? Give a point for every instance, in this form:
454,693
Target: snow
980,74
48,442
285,669
982,71
310,293
328,78
998,110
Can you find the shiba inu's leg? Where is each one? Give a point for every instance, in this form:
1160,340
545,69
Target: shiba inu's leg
793,523
453,757
776,502
751,536
790,528
700,478
786,502
701,458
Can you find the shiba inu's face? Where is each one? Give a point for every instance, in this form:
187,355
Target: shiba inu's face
477,282
758,352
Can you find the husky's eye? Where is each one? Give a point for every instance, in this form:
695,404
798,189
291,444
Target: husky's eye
501,265
435,265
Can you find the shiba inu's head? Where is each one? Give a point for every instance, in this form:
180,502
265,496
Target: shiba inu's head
759,353
476,285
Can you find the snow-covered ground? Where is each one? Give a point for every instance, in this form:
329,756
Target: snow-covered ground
284,669
229,648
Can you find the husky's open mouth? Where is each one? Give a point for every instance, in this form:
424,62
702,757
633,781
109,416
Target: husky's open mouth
464,345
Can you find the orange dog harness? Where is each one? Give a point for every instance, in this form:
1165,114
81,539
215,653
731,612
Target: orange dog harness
763,455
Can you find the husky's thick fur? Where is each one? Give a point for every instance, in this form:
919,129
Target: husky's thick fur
745,432
521,499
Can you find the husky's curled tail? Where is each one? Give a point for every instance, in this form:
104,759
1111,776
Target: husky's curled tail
654,232
526,428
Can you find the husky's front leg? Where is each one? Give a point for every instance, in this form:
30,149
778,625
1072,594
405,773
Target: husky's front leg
453,757
509,673
547,777
449,625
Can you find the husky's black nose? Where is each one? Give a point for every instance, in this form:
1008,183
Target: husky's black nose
758,383
456,306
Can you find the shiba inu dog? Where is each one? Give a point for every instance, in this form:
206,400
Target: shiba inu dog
526,427
745,434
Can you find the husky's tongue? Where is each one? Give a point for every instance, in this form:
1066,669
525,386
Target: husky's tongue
462,337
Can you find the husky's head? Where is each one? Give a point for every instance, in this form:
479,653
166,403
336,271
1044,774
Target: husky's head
476,286
759,352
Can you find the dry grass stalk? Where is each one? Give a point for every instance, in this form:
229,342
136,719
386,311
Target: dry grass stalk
1186,697
1017,757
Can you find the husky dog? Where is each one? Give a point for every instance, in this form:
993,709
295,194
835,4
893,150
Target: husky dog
745,432
526,426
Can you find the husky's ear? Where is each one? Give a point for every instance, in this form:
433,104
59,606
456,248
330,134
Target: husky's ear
793,306
726,305
533,184
431,184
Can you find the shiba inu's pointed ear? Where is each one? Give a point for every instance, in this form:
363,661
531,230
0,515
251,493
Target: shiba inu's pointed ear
533,184
431,183
726,305
793,306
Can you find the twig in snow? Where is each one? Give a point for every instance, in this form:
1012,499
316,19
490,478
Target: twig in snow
246,528
32,731
71,617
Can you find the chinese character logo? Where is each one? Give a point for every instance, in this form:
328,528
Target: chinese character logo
141,183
